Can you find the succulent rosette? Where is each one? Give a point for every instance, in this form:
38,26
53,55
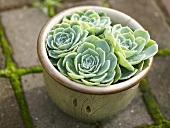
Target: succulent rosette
94,22
93,63
86,48
131,47
64,38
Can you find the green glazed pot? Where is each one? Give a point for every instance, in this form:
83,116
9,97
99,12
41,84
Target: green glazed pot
88,103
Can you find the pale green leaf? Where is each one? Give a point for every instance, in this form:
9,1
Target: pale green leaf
142,33
123,62
126,74
104,68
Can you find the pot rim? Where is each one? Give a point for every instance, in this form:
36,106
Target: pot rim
63,80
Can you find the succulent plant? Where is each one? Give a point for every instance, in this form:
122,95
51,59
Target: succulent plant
131,47
86,48
64,38
93,63
94,22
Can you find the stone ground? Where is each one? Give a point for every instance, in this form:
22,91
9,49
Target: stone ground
24,101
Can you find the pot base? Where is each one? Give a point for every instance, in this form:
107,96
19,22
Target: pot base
87,107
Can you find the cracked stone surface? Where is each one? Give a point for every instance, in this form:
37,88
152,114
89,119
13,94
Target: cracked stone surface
8,4
22,28
10,116
158,80
74,3
134,115
44,113
2,59
148,14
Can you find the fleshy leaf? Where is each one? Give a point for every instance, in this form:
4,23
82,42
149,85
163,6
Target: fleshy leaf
75,76
113,61
70,57
123,62
116,27
104,68
110,77
142,33
84,47
125,30
77,60
101,55
78,31
129,36
140,44
118,73
60,67
136,59
89,83
129,53
87,75
150,50
98,79
126,74
70,68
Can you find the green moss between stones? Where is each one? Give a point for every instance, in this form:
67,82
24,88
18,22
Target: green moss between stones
6,49
96,124
150,102
105,3
23,71
168,20
14,79
163,52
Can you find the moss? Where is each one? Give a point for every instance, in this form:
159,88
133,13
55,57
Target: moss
150,102
149,126
163,52
168,20
105,3
96,124
23,71
13,74
14,79
6,49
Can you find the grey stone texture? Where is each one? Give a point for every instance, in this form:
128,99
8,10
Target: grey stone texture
72,3
22,28
159,81
2,59
166,5
134,115
148,14
10,116
44,113
9,4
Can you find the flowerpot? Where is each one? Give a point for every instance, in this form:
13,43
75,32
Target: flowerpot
88,103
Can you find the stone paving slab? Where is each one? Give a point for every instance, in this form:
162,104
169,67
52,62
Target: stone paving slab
8,4
10,116
44,113
2,59
73,3
134,115
166,4
148,14
22,28
159,82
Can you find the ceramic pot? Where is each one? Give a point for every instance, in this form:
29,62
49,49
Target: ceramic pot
88,103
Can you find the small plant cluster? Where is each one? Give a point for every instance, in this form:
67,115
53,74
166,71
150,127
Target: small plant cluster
88,49
48,6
